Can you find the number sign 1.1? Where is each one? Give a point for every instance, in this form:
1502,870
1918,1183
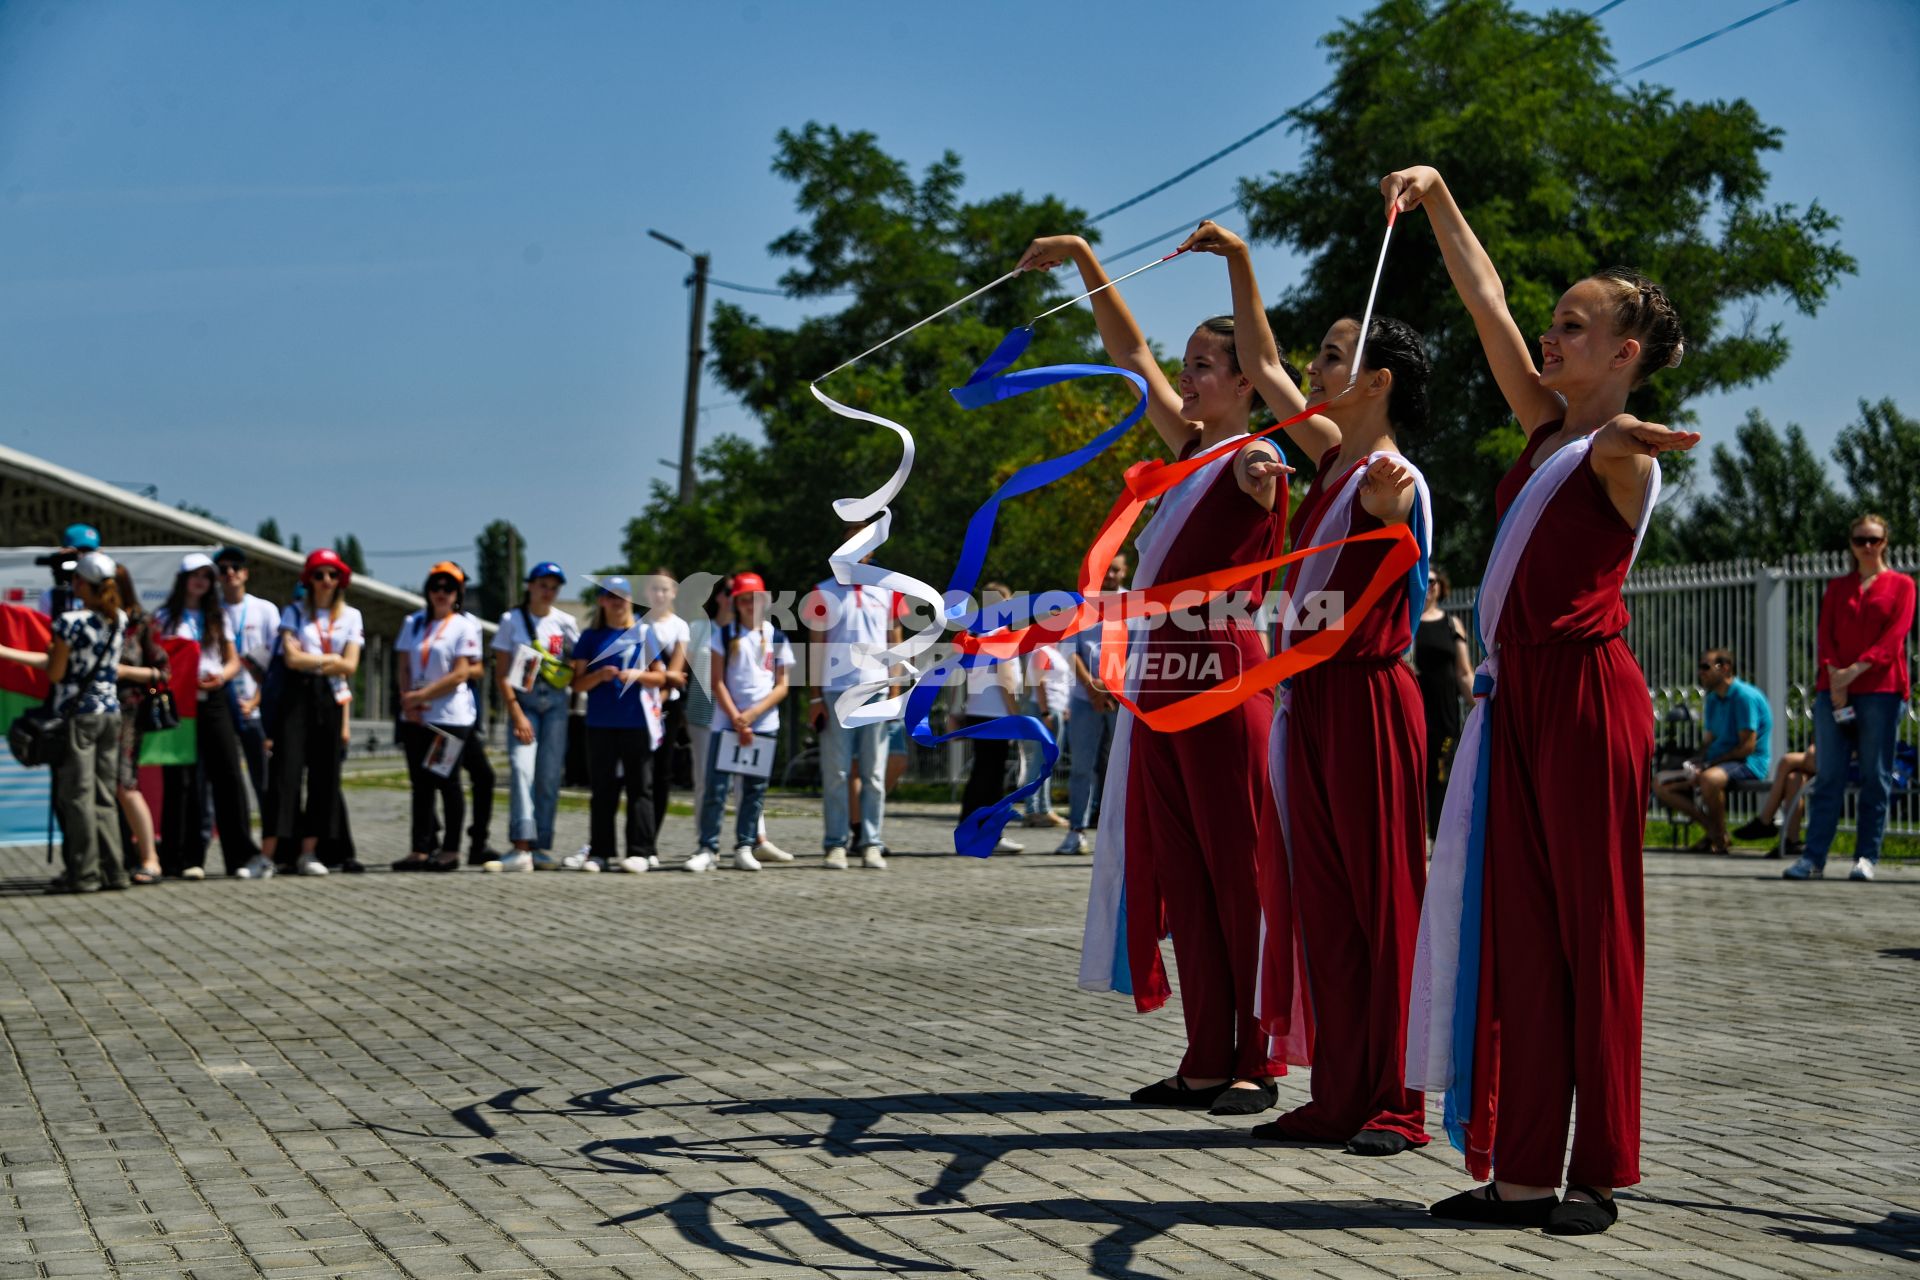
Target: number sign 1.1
754,759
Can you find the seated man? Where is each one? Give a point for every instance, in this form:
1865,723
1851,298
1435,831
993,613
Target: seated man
1739,728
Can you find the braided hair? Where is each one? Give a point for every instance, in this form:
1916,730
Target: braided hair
1643,311
1397,347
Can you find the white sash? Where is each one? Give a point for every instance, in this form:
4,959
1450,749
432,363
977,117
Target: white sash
1105,940
1444,940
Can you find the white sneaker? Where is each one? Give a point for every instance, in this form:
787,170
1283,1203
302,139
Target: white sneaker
872,859
518,860
653,862
704,860
743,859
1076,842
771,852
310,865
194,873
836,859
581,861
635,865
261,868
1008,846
1862,869
1803,869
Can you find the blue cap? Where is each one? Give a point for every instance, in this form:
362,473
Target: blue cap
546,569
81,537
617,585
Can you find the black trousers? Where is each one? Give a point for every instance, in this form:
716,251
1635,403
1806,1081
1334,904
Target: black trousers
621,759
183,841
988,781
480,772
253,749
428,786
307,750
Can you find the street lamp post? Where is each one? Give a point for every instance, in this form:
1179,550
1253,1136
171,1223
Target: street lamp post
695,354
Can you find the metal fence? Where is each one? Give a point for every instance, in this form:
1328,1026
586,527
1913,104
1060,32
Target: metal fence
1767,615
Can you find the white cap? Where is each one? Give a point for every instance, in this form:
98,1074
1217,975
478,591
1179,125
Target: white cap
95,566
195,560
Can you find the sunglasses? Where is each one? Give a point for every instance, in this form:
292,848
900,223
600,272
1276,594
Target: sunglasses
326,575
1709,666
230,567
442,584
1862,540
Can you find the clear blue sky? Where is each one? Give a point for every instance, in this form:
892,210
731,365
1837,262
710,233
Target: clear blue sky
382,267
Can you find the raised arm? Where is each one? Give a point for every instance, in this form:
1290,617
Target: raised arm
1477,282
1119,332
1253,344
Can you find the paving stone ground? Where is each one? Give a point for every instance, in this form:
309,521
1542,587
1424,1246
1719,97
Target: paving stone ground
848,1074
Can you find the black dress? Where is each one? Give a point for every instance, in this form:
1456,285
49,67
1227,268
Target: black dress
1434,658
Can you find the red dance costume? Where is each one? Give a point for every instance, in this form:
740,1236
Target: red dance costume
1564,928
1200,819
1357,845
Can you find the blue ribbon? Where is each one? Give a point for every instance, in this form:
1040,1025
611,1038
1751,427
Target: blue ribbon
980,831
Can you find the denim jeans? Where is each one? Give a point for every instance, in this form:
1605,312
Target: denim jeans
1032,757
1876,717
1089,739
536,767
838,746
713,802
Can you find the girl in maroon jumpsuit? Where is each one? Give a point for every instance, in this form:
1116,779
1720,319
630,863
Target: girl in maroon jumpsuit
1199,823
1571,740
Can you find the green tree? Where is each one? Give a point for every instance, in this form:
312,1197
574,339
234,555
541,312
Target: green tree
1561,172
293,543
500,553
1880,458
348,548
269,531
898,246
1771,498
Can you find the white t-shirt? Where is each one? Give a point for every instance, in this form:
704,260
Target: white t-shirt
1047,667
254,626
191,626
554,634
429,650
752,667
668,632
985,697
852,622
326,634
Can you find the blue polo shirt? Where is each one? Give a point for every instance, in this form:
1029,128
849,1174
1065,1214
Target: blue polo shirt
1734,710
614,705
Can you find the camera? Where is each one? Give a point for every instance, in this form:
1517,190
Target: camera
61,564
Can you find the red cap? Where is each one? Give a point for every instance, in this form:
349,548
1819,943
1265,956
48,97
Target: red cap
744,583
326,558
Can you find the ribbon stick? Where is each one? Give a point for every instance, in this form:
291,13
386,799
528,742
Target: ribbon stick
960,302
1108,285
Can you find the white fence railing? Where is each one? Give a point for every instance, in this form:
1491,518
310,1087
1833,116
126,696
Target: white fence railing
1767,615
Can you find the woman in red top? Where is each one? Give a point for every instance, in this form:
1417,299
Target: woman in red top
1354,784
1570,747
1199,819
1863,687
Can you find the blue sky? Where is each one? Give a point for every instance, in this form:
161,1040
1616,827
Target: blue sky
382,267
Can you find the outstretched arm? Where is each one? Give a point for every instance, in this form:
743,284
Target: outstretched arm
1254,347
1126,345
1478,284
1625,452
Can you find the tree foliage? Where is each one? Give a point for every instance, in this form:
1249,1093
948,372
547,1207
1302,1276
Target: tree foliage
500,555
1880,457
347,547
898,246
1771,498
1561,171
268,531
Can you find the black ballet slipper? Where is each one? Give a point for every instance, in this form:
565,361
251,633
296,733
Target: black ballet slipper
1246,1102
1178,1094
1288,1129
1490,1210
1377,1142
1582,1217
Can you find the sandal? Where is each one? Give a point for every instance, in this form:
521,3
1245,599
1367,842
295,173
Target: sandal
1491,1210
1178,1094
1587,1217
140,875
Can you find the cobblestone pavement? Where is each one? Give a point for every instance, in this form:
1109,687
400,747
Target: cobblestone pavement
802,1073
